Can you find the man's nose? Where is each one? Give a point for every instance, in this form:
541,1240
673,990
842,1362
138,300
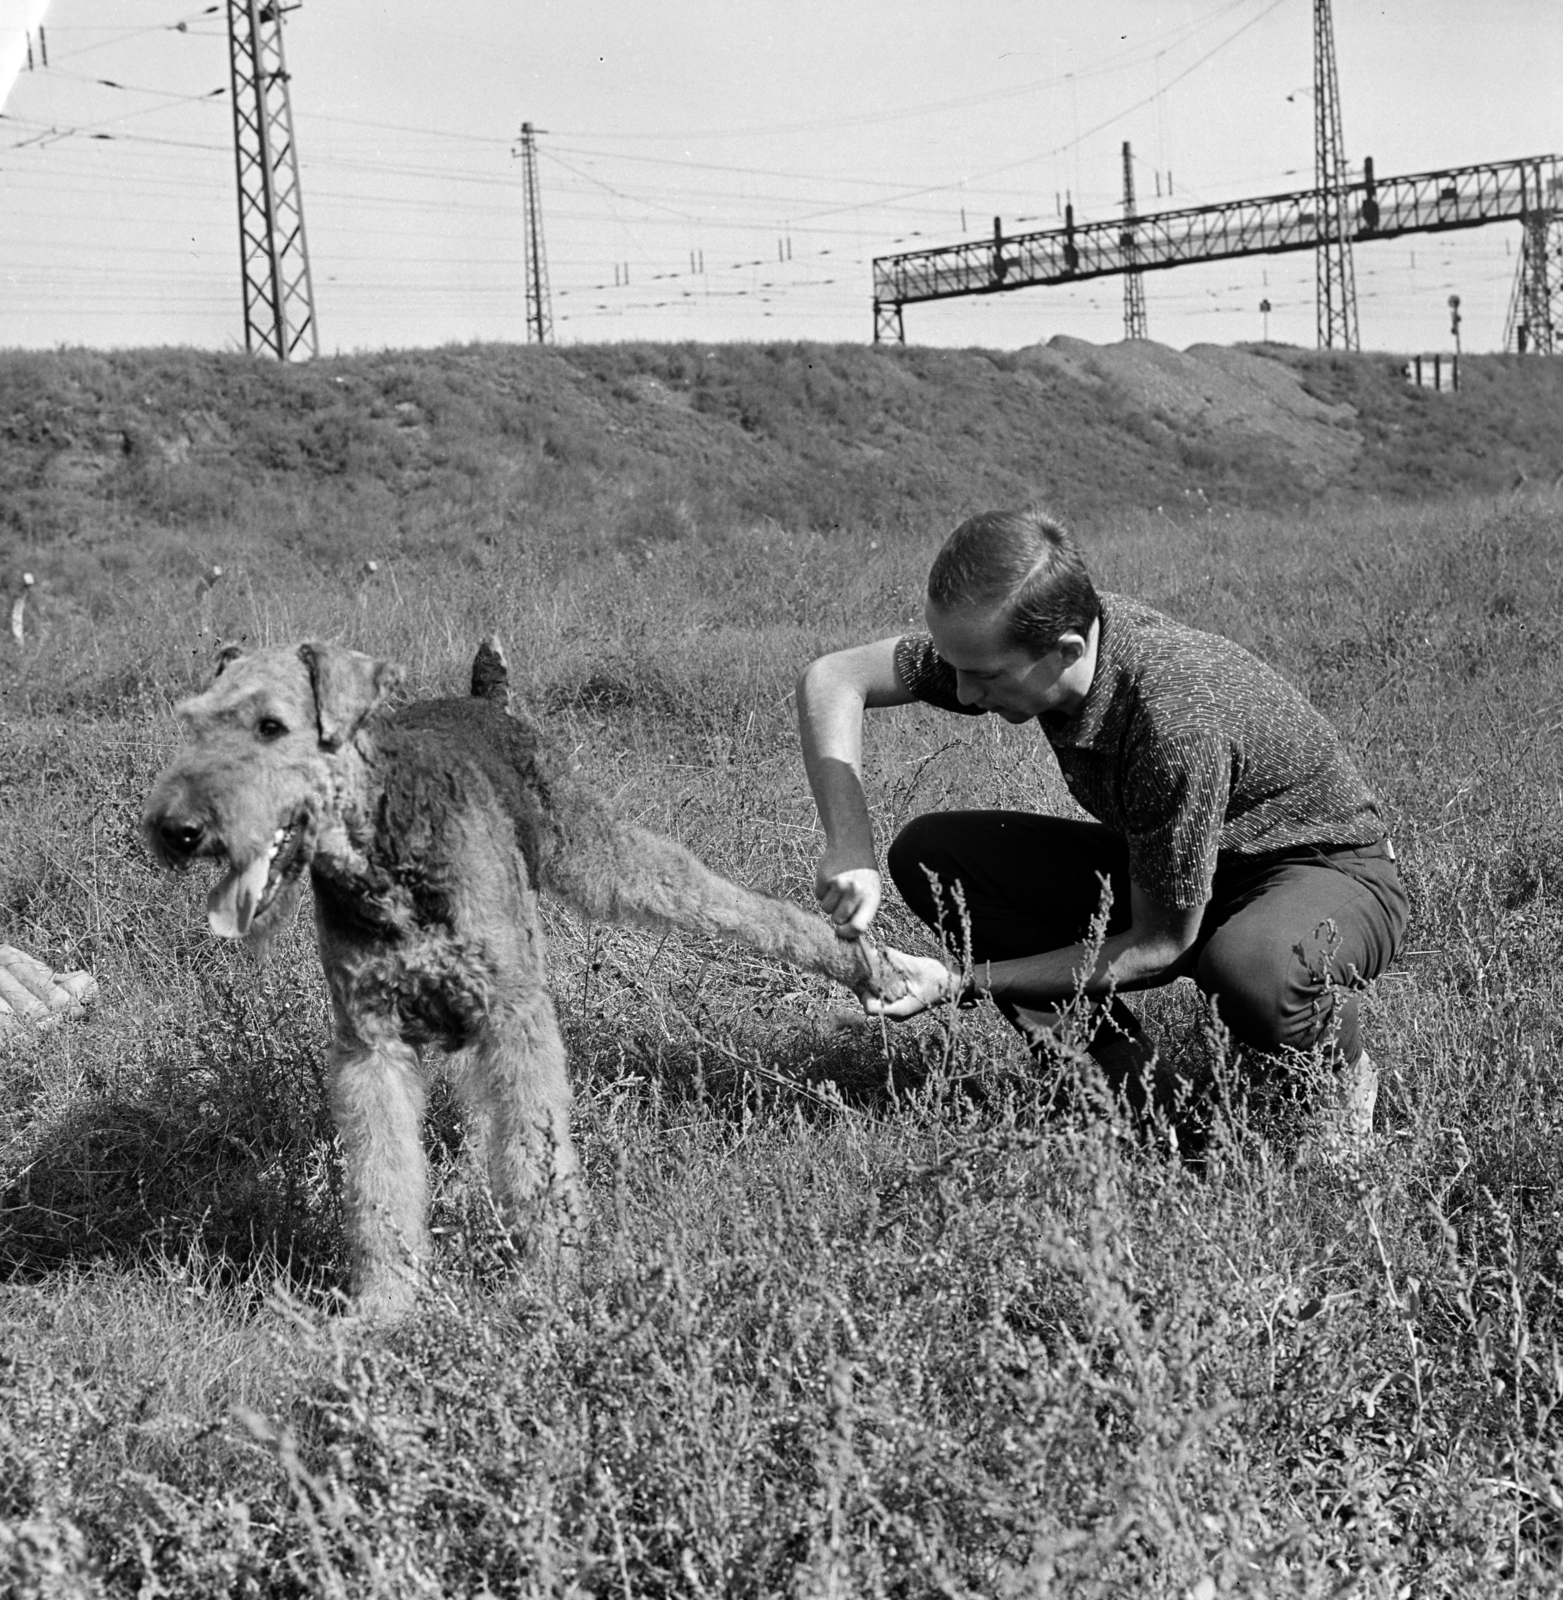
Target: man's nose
967,692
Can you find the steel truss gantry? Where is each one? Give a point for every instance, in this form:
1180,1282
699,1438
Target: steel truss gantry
279,294
1377,208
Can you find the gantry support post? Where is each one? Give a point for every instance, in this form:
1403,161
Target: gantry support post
888,326
1535,322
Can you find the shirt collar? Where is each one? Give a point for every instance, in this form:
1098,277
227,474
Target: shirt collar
1083,728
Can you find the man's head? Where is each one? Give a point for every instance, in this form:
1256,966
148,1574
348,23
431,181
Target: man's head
1012,608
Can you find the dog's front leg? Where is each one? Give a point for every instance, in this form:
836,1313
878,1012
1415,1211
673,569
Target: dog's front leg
618,872
377,1096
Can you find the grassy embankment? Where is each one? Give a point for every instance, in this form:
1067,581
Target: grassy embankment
844,1326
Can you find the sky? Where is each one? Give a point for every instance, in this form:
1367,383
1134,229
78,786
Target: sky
728,169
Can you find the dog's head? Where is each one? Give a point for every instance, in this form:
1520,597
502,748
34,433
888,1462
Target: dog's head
254,782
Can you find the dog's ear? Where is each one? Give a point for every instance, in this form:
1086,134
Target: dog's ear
226,657
348,686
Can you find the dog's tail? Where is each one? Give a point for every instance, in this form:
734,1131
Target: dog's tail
491,674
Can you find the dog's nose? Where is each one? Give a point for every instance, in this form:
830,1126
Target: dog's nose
180,838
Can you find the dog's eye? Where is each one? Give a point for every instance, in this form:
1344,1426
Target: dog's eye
270,728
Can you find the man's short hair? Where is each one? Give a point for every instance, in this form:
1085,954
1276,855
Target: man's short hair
1024,561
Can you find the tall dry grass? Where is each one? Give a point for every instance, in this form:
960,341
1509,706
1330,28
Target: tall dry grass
858,1316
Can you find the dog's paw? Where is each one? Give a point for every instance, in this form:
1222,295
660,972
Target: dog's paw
903,985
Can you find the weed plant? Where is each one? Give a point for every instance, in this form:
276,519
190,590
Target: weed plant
860,1314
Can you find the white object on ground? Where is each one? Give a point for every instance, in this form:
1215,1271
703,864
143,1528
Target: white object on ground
31,992
18,630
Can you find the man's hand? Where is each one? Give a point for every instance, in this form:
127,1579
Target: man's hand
850,898
928,983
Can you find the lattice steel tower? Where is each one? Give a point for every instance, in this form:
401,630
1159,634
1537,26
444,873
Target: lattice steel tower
1535,322
539,309
1134,325
279,294
1337,286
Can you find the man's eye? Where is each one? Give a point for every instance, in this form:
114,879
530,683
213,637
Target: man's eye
270,728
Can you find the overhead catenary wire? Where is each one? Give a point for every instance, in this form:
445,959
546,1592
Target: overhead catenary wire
840,220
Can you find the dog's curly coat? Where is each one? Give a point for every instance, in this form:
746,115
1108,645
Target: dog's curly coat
427,832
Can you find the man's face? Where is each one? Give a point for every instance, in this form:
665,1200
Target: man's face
995,675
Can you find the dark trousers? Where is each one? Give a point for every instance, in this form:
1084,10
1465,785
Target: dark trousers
1284,942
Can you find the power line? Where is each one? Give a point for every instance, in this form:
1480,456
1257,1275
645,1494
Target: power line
1079,138
1107,65
179,25
131,88
844,214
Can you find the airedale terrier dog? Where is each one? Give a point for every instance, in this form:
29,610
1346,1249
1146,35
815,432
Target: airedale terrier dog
427,832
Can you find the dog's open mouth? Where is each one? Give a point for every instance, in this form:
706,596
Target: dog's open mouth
244,894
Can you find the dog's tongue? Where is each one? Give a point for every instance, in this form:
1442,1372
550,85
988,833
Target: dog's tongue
230,907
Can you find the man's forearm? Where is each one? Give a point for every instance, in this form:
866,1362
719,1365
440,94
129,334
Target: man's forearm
833,693
843,810
830,727
1124,961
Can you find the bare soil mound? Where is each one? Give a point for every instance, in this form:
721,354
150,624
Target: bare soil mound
1218,390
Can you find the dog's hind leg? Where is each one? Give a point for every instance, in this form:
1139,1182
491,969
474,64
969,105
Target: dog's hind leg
377,1097
515,1081
518,1090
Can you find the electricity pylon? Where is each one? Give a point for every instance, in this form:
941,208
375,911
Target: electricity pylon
539,308
1336,290
279,294
1134,324
1535,322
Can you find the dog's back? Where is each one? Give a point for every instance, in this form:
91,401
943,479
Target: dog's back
442,745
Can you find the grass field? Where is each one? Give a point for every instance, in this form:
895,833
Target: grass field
857,1317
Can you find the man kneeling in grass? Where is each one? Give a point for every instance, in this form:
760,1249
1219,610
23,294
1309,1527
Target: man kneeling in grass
1242,846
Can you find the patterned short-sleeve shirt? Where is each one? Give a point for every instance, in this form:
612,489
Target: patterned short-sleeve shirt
1190,748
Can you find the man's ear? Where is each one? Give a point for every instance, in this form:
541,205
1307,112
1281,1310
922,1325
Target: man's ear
1071,646
348,686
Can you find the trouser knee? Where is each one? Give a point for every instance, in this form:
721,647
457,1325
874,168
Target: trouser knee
918,856
1285,1008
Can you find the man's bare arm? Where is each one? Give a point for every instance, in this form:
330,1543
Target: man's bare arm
833,693
1144,954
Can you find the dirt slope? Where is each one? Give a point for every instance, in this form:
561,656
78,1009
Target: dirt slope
174,454
1217,390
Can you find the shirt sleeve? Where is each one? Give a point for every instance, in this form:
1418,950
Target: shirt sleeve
1175,794
927,676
